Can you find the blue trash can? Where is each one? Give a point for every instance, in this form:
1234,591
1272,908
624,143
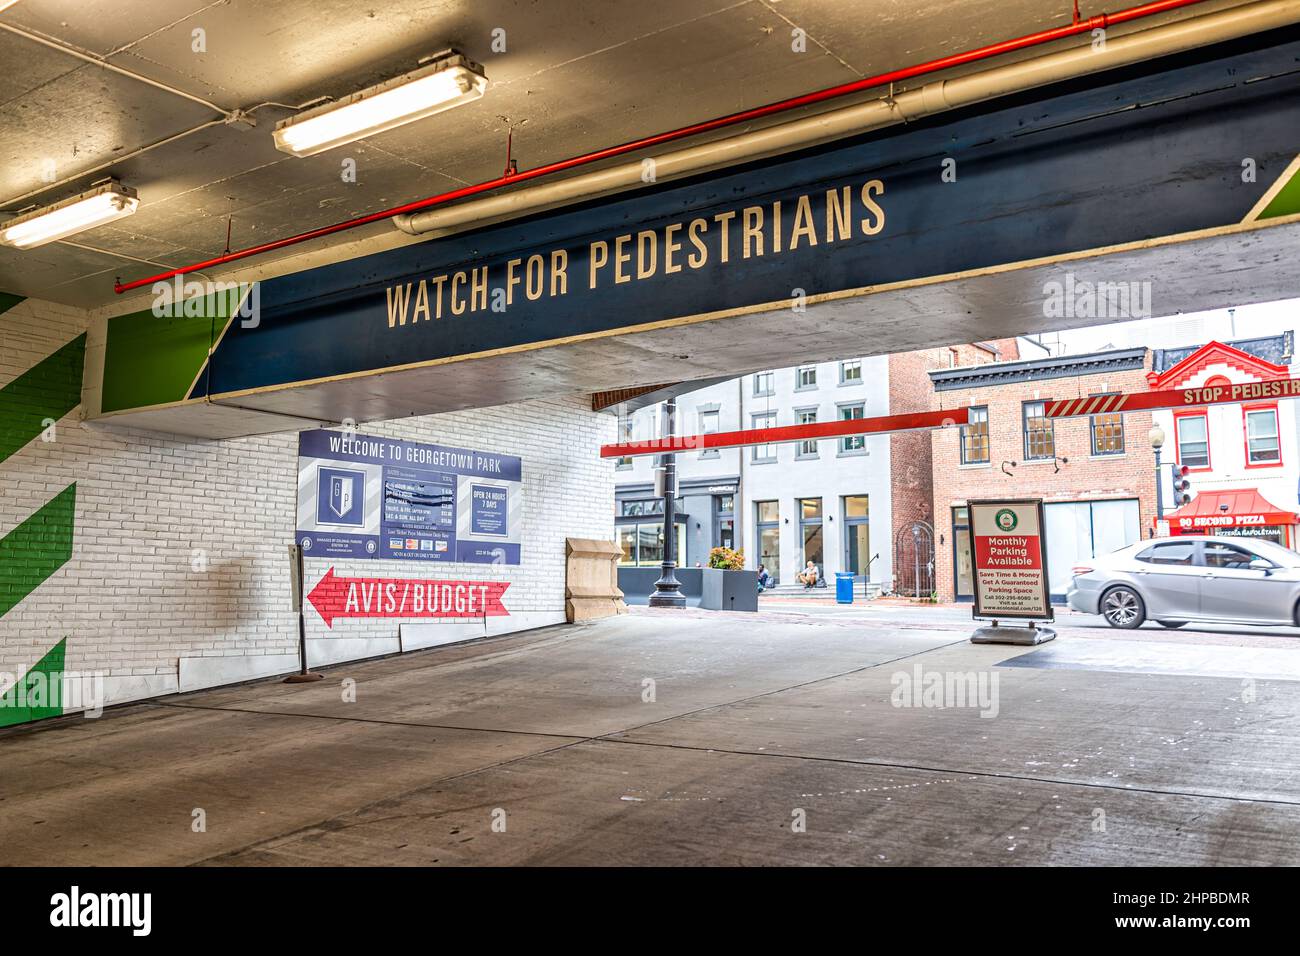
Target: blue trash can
843,587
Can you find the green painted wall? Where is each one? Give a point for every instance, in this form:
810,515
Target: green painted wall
41,544
152,360
37,548
8,300
50,389
39,694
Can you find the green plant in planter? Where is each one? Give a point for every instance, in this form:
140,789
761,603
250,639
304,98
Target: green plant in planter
727,559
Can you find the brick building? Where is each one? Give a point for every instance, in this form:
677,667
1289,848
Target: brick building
1096,475
910,454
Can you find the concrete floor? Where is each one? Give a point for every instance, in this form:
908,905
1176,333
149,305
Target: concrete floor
757,720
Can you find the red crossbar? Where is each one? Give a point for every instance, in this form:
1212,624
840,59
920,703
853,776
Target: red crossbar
839,428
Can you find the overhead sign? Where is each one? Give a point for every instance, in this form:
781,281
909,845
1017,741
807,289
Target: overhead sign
365,496
852,215
335,597
1009,559
1171,398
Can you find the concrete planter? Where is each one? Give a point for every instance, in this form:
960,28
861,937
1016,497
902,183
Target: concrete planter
729,590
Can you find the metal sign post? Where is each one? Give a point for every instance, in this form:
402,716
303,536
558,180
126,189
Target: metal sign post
1009,560
303,676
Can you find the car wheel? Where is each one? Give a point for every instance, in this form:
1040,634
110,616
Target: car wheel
1171,624
1122,607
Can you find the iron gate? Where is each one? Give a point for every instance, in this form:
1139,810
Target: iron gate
914,560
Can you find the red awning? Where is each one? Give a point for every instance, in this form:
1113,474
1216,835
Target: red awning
1227,508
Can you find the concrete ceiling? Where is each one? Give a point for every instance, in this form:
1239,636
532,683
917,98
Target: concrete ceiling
575,76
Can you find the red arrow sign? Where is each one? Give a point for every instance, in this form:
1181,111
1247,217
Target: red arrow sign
405,597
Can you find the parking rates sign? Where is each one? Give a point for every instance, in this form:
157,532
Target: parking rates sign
364,496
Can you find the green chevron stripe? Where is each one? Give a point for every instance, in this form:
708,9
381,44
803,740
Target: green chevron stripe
1286,202
48,390
8,300
36,548
42,691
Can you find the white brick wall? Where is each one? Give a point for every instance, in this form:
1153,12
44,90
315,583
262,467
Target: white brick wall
131,601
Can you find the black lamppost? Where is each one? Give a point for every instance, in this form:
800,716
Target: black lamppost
668,590
1157,438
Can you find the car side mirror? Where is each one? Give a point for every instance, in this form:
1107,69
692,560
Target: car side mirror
1259,564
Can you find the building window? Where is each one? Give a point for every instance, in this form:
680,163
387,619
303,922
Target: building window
710,423
975,437
852,444
764,452
851,372
763,384
806,416
806,377
1040,437
768,533
1108,434
810,527
1262,447
625,436
1193,438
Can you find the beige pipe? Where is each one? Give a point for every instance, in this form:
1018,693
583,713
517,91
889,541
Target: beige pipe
860,118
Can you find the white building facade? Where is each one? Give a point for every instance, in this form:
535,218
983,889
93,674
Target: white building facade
1242,460
827,501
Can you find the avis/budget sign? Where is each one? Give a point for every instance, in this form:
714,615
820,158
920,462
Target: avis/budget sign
1009,559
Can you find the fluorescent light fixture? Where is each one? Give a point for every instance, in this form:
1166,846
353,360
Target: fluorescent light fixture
105,202
448,81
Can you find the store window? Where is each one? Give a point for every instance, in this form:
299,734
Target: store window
810,527
975,437
1079,531
725,510
767,525
806,416
642,544
761,453
852,444
1108,434
1040,435
1192,434
1262,447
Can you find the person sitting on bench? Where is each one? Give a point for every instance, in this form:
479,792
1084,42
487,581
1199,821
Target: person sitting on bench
808,578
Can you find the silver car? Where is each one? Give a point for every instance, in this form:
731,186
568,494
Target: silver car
1191,578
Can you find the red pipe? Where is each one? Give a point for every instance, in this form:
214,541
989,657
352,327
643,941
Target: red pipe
1101,21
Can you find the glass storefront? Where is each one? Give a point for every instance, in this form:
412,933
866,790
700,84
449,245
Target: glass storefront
857,536
642,545
768,531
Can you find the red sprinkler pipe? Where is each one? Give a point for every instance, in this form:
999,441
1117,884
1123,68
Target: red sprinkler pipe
1101,21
